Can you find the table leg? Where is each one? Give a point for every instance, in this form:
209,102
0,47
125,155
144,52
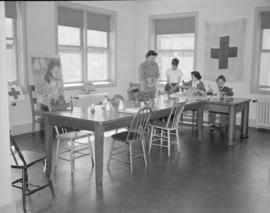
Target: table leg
231,132
244,121
200,122
48,130
99,142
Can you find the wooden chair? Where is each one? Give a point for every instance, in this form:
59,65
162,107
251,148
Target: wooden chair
23,161
36,115
134,134
189,118
74,139
163,130
133,89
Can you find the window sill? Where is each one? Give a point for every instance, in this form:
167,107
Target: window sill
104,84
260,90
100,84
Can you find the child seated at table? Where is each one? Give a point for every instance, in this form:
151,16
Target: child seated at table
222,91
196,86
174,76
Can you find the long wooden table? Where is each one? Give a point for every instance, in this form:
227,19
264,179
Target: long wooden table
103,120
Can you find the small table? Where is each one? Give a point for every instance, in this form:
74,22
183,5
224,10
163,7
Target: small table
101,121
231,106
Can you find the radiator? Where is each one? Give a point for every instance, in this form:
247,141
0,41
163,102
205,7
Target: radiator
86,100
263,114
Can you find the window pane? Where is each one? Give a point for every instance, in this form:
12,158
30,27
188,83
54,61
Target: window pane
9,28
71,67
69,36
186,59
97,65
265,70
175,42
11,63
266,39
96,38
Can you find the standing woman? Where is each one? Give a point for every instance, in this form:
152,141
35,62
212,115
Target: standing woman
149,73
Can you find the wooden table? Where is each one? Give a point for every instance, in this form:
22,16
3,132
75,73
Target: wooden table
101,121
231,107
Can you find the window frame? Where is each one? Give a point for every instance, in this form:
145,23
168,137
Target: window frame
152,40
15,40
112,35
257,51
173,51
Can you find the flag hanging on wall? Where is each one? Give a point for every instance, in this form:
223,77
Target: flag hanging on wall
224,49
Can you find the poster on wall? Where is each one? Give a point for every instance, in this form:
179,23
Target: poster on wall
15,94
48,81
224,49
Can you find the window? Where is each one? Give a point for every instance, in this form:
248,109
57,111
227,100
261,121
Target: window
261,77
97,56
70,51
84,46
11,40
174,37
179,46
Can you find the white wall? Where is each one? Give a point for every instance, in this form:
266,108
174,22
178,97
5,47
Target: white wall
41,39
6,201
207,10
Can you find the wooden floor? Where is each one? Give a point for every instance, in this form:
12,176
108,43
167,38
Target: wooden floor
206,177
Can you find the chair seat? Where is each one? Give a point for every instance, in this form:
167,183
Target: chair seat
161,125
74,135
122,136
30,158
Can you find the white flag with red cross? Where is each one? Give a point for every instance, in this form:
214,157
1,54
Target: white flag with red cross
224,49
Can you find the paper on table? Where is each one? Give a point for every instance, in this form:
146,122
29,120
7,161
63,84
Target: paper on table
129,110
202,98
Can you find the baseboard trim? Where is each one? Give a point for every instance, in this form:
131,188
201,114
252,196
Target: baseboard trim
8,208
24,128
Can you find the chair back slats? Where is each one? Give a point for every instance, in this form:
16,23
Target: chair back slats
138,124
133,90
16,152
33,98
60,129
175,115
32,87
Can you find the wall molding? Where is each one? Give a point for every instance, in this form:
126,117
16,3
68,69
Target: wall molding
23,129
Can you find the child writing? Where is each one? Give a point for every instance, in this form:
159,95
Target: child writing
223,91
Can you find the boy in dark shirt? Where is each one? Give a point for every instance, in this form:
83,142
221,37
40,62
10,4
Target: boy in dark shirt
223,91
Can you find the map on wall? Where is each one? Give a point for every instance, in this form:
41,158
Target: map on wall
48,81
